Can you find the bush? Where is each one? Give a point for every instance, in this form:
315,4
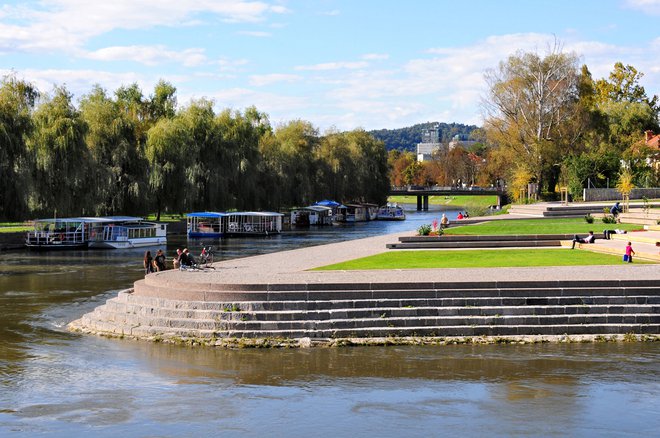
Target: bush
588,218
609,219
424,230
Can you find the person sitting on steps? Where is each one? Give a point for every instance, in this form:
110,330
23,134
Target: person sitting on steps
589,239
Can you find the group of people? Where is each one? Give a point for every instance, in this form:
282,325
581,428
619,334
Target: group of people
154,264
462,215
158,263
590,238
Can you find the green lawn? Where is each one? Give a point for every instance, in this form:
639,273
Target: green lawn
14,227
477,259
454,201
166,217
537,226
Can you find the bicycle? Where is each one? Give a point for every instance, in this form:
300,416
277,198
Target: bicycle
206,256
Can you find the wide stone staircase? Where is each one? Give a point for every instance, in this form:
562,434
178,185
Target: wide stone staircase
336,311
641,217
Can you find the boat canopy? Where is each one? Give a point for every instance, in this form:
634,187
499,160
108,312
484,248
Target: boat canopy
330,203
253,213
208,214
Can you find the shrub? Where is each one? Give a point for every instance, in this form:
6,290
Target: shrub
424,230
609,219
588,218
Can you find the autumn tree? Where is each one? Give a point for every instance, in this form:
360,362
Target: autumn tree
532,109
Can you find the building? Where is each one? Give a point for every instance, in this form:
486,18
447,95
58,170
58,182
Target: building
652,141
457,141
430,143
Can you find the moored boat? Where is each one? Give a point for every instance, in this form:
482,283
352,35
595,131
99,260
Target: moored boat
391,212
125,232
311,215
205,224
59,233
253,223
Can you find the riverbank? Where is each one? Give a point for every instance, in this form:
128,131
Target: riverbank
256,300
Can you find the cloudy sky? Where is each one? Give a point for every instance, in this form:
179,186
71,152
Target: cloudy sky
353,63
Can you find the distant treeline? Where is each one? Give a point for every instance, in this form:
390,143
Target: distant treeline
406,139
127,153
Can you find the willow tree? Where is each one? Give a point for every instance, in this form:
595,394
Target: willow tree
533,110
61,174
17,100
120,167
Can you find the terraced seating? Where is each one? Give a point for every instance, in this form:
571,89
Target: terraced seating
640,217
330,311
494,241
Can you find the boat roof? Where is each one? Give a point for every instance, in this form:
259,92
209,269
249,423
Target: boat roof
209,214
253,213
328,203
317,208
98,220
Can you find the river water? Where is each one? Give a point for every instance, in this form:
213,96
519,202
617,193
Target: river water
55,383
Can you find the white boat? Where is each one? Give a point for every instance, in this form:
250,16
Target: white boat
356,213
253,222
391,212
126,232
60,233
312,215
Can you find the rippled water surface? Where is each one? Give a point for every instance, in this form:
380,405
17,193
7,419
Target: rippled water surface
55,383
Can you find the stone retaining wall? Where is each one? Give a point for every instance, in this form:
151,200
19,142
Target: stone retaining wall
613,194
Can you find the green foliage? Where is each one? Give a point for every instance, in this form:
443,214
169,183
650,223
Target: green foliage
424,230
588,218
609,219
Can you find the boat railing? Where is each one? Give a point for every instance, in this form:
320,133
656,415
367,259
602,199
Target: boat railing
55,237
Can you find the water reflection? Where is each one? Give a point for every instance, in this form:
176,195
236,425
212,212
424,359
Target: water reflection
57,383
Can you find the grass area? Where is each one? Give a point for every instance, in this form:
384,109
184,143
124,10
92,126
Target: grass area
454,201
166,217
537,226
15,229
478,259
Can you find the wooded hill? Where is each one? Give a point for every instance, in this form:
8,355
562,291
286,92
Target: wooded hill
406,139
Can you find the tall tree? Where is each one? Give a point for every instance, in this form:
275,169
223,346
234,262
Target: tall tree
62,159
532,107
17,99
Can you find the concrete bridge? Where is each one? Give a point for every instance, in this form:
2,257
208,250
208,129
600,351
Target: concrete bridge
423,193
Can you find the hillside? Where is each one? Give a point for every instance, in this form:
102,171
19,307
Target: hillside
407,138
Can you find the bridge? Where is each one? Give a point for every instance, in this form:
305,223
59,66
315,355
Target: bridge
423,193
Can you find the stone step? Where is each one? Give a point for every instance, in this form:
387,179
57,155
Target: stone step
475,244
481,238
444,331
537,289
652,237
116,307
637,298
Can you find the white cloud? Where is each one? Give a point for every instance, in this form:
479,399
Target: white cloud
334,66
255,33
262,80
69,24
149,55
651,7
375,56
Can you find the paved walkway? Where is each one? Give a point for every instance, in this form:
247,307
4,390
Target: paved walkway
290,267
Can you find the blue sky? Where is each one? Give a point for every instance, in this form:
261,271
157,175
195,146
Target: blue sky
344,64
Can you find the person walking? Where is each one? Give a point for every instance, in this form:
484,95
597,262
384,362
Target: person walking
148,263
629,253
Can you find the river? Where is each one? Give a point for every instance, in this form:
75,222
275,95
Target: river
55,383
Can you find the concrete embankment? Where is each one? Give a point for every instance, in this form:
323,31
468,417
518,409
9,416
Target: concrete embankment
275,300
12,241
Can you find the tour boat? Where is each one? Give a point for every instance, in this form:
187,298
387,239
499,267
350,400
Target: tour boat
60,233
391,212
311,215
205,224
253,223
125,232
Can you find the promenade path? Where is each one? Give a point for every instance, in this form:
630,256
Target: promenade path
293,267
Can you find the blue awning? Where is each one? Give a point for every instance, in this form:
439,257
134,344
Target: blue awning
209,214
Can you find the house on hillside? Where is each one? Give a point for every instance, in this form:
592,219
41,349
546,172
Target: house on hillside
652,141
430,143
